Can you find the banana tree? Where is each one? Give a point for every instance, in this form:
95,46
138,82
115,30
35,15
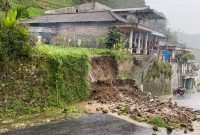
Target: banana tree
14,14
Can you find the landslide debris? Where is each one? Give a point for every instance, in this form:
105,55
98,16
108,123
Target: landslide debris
125,98
104,67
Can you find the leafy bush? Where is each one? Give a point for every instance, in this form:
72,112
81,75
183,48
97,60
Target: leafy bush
14,40
187,56
68,72
113,37
50,77
160,69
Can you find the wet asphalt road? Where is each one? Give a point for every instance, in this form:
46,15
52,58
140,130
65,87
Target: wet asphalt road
97,124
191,100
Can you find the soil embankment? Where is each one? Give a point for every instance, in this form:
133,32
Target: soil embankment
104,68
124,97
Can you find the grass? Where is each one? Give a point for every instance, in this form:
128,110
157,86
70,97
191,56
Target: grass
119,55
33,11
50,114
38,7
139,118
124,110
159,122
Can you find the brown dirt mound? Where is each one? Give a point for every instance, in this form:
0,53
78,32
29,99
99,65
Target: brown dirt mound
124,97
104,67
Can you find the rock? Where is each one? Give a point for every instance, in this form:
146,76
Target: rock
104,111
123,95
169,130
191,129
65,110
154,134
90,103
155,128
183,125
98,109
185,131
48,120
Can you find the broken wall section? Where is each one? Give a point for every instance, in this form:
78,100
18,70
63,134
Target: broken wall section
110,68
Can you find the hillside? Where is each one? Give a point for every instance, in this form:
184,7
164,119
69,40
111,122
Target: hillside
192,40
37,7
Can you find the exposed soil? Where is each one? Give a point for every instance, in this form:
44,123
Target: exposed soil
104,67
125,97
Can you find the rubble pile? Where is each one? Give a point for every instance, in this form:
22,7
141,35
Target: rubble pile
125,97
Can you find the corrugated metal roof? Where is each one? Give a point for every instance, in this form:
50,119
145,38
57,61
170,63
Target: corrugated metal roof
101,16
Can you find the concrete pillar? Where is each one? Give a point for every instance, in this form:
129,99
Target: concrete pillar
156,24
146,21
139,44
131,41
146,44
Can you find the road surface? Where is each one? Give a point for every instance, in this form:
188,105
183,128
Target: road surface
97,124
191,100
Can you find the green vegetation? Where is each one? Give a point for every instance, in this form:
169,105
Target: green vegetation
37,7
187,56
158,79
123,111
113,37
160,69
158,121
119,55
50,114
50,77
139,118
14,41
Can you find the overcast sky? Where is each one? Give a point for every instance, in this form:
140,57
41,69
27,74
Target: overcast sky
181,14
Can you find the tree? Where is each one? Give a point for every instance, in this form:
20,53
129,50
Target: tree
187,56
14,36
113,37
5,5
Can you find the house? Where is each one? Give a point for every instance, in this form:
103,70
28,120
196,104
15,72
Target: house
174,50
191,74
87,25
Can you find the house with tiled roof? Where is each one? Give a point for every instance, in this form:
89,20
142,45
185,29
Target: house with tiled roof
87,24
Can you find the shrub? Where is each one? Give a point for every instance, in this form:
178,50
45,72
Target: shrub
113,38
50,77
14,41
160,69
67,77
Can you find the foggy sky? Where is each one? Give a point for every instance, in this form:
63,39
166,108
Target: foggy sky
181,14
